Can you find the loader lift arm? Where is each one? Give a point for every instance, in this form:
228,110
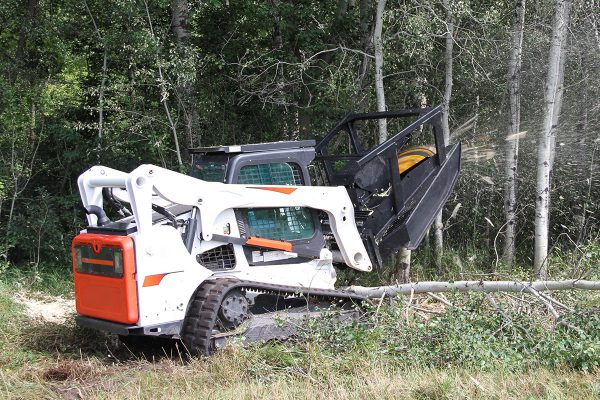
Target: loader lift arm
212,199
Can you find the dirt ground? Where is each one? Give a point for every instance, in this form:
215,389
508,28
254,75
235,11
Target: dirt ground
43,307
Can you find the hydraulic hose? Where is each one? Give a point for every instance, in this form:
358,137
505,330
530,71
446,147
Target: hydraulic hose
99,213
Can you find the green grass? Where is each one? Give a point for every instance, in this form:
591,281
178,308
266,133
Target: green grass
46,279
240,374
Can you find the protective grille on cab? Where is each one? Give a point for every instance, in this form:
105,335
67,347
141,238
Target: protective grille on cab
219,258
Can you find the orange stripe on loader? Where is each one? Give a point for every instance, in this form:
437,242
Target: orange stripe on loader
276,189
153,280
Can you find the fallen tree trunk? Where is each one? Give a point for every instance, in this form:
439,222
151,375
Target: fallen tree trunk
476,286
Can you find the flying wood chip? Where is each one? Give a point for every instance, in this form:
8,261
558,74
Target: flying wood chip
516,136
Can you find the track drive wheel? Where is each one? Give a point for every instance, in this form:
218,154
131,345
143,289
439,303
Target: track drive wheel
233,310
214,308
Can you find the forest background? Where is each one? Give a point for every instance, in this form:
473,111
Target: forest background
85,82
126,82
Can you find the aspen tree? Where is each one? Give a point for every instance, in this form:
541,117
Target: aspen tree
552,105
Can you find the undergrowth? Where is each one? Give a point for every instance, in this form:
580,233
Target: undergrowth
465,351
48,279
470,335
473,263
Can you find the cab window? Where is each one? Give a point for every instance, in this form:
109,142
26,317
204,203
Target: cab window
286,223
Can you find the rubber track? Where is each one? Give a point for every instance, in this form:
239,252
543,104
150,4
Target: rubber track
201,318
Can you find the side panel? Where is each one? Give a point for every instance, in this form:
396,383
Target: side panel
167,275
106,297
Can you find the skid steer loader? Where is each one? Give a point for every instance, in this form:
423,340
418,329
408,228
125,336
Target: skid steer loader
253,229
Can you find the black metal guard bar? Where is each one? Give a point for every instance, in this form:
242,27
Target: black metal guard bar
407,112
393,141
320,146
351,117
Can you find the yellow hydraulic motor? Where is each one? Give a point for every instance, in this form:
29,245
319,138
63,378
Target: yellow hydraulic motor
411,157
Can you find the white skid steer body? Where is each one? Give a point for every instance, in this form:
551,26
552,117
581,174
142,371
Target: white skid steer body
138,275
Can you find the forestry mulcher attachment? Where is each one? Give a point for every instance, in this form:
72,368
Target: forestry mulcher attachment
206,257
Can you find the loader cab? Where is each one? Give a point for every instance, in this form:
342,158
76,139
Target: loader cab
278,163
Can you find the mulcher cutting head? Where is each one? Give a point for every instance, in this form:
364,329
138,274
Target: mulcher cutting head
396,189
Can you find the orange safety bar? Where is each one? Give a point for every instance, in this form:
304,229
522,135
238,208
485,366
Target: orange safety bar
269,243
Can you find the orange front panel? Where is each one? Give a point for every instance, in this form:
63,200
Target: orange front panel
106,297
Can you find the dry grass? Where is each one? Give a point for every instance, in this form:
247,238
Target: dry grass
227,376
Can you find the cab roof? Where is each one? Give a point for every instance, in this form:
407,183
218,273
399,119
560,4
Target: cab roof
256,147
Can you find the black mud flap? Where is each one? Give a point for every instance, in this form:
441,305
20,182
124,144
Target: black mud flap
427,201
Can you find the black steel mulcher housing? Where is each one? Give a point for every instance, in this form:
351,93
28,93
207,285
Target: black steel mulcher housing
402,217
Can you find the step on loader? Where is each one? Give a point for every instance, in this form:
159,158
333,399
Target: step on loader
255,230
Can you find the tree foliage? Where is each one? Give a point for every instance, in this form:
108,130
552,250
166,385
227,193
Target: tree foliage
255,71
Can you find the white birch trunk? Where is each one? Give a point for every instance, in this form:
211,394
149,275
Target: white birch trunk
439,224
179,11
403,265
514,126
379,90
552,103
102,85
449,66
402,268
559,98
595,28
188,97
